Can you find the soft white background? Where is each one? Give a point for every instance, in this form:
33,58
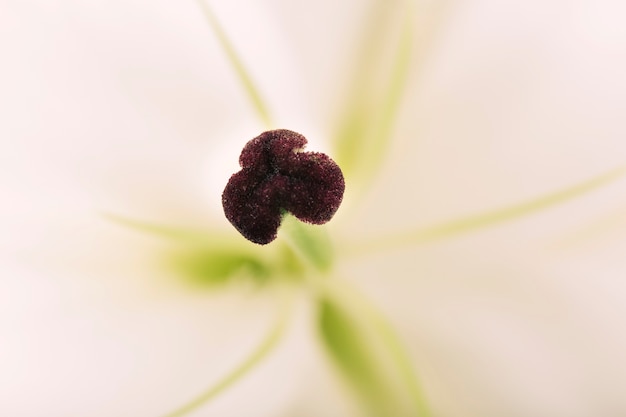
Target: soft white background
131,106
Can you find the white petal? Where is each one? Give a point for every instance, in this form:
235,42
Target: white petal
115,106
512,104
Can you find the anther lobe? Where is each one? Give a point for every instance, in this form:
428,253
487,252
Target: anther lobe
276,177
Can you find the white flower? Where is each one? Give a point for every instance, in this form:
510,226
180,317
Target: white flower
132,107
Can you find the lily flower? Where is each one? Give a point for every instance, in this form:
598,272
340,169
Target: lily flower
474,267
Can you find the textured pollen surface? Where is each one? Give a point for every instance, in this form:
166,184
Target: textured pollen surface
276,178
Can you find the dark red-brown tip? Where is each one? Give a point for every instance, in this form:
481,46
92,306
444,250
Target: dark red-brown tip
276,178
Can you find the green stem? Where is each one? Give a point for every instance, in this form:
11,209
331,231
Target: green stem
268,344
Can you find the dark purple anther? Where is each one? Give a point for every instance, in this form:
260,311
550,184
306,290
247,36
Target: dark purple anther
276,177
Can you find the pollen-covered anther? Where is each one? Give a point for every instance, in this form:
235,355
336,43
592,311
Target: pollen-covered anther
277,177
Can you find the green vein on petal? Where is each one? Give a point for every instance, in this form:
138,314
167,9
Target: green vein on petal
369,354
261,352
610,224
489,218
169,232
244,76
363,134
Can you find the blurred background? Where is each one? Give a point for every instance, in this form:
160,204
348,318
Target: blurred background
133,108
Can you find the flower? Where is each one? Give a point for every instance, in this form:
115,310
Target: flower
110,108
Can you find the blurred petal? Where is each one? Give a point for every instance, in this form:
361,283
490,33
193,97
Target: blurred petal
512,104
365,349
115,106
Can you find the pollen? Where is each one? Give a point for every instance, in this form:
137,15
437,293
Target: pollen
278,177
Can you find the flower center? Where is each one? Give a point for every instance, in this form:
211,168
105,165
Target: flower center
277,177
